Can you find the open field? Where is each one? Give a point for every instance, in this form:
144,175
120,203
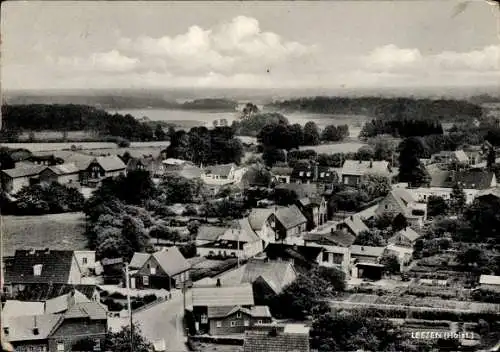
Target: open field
54,135
343,147
57,231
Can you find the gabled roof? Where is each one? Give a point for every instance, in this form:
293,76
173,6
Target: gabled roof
223,312
57,304
210,233
24,171
241,295
360,168
56,266
39,292
338,238
367,251
409,233
64,169
138,260
302,190
494,192
355,224
290,216
22,328
172,261
281,171
475,179
307,254
264,341
13,308
134,163
240,231
110,163
258,217
273,273
489,280
220,170
91,310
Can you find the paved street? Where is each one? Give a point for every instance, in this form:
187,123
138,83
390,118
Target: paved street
162,322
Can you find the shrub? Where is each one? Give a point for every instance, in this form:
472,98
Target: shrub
149,298
117,295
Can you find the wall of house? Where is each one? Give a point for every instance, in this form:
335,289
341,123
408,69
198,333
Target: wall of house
241,323
423,193
351,180
69,178
16,184
208,251
491,287
76,329
75,274
85,259
31,346
250,249
179,279
389,206
282,179
364,258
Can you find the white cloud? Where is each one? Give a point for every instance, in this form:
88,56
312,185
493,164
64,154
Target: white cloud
111,62
487,59
390,57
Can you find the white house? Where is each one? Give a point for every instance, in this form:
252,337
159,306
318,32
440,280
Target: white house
86,260
490,282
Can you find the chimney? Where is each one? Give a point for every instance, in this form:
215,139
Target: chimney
35,327
362,248
6,330
218,284
47,251
371,163
316,171
273,332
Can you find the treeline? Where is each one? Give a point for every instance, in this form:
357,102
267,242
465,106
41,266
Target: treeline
38,117
385,108
401,128
252,125
201,145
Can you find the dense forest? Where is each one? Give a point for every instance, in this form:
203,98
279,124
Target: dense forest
385,108
38,117
401,128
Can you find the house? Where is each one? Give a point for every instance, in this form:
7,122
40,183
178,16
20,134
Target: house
475,154
40,292
15,179
404,254
365,262
314,174
450,157
258,222
442,181
332,238
403,202
86,261
302,257
354,170
164,269
277,339
47,160
489,282
239,241
226,310
58,332
112,270
281,174
102,167
63,174
405,237
41,266
220,172
268,278
154,166
352,225
208,233
287,223
337,257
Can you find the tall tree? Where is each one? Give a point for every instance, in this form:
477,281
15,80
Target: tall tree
120,341
458,199
311,133
410,168
160,133
491,158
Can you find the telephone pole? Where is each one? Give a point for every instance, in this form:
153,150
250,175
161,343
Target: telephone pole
127,279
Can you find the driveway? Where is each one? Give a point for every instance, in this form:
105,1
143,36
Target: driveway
163,321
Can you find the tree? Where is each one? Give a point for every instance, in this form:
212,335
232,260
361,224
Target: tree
491,158
311,133
375,186
249,110
160,133
370,238
436,206
257,176
472,257
333,133
365,153
391,263
120,341
410,169
273,155
458,199
383,149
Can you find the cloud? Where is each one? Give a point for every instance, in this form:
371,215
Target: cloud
390,57
111,62
487,59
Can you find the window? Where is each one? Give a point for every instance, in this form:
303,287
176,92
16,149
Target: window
322,174
259,321
238,315
308,174
204,319
145,280
219,324
301,173
153,271
60,347
84,260
325,257
233,323
37,269
246,323
386,206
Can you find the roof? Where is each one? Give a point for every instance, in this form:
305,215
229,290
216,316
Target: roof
307,254
458,154
273,273
56,266
240,231
92,310
367,251
24,171
258,217
134,163
210,233
57,304
290,216
360,168
494,192
338,238
172,261
13,308
355,224
489,280
138,260
64,169
409,233
264,341
301,189
21,328
255,311
468,179
221,170
110,163
44,291
187,171
241,295
281,171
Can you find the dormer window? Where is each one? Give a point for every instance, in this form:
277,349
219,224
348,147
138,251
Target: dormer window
37,269
322,174
301,173
308,174
153,271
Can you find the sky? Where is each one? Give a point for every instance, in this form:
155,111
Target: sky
324,44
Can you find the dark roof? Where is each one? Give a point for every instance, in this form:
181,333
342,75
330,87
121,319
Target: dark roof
469,179
338,238
24,171
40,292
324,173
290,216
221,170
301,189
305,254
210,233
223,244
281,171
264,341
56,266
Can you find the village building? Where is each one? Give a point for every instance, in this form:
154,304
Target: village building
86,261
366,262
152,165
277,339
165,269
322,175
405,237
102,167
302,257
208,233
354,170
41,266
402,202
281,174
450,157
489,282
353,225
13,180
63,174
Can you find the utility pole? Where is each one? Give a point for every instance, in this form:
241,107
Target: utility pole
1,268
127,279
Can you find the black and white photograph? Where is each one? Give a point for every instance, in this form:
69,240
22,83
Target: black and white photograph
250,176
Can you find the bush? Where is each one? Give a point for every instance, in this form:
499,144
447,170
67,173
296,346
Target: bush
112,305
117,295
149,298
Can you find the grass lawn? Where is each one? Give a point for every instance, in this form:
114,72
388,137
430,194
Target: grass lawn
206,347
57,231
329,148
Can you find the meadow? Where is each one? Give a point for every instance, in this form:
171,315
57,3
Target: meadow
57,231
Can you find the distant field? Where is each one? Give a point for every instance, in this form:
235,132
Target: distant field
53,135
57,231
346,147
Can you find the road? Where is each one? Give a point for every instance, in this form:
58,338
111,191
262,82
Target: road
163,322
